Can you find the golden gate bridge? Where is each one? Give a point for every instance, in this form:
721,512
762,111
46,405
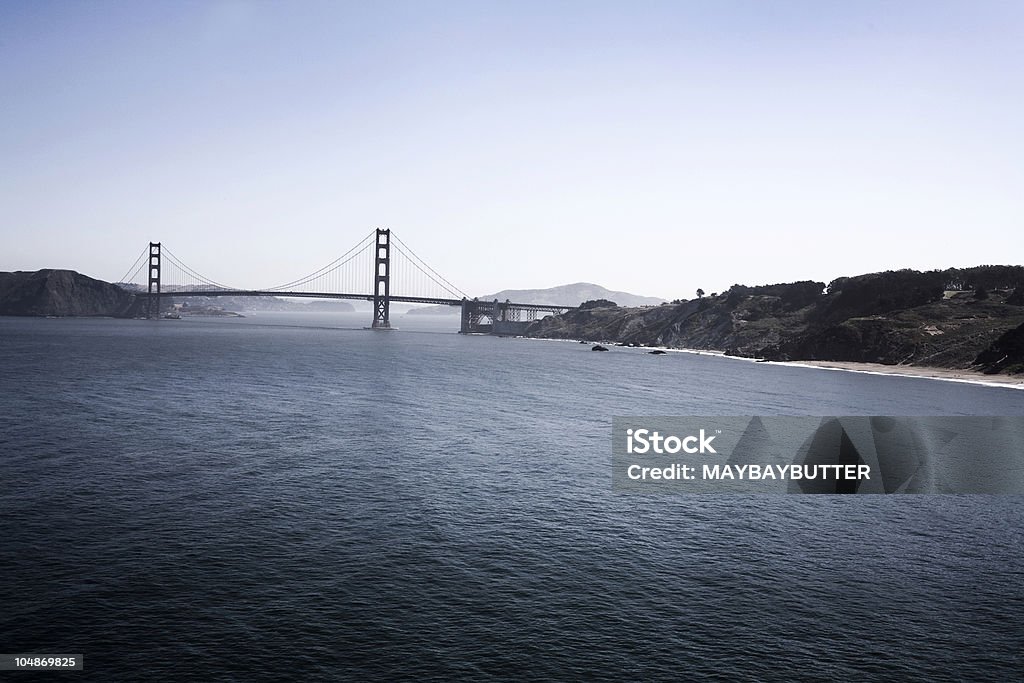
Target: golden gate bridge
380,261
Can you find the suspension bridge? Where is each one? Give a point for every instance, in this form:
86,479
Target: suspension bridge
380,261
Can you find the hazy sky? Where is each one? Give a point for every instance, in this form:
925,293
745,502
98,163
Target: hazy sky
654,147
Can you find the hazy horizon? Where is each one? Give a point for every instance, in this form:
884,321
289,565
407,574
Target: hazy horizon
650,149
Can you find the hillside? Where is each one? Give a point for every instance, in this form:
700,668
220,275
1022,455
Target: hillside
562,295
957,318
61,292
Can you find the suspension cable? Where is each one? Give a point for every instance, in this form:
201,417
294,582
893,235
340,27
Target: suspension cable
203,280
332,268
336,263
135,268
452,289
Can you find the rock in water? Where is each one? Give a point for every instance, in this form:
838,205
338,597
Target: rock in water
598,347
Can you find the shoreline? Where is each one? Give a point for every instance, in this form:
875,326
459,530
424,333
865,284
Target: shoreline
913,371
922,371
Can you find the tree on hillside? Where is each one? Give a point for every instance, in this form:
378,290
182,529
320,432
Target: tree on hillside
700,293
598,303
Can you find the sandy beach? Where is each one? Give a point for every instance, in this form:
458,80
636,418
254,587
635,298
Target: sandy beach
1014,381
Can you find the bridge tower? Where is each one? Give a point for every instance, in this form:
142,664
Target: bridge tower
153,302
382,280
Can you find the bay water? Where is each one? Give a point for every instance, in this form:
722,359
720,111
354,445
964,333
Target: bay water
292,497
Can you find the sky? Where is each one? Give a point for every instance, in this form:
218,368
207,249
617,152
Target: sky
649,147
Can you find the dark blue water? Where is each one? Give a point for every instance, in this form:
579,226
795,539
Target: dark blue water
275,498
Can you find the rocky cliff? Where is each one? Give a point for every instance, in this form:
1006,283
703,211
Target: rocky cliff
957,318
61,292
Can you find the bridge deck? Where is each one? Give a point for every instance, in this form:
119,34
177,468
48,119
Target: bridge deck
359,297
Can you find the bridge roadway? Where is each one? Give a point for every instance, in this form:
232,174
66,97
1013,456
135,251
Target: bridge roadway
358,297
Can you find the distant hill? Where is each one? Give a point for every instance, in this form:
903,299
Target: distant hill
61,292
247,303
329,305
563,295
67,293
267,303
